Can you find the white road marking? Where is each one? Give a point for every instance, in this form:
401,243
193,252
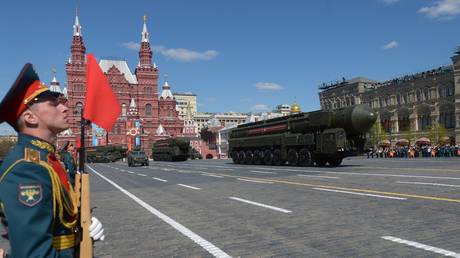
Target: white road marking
371,174
229,169
332,177
122,170
364,194
422,246
159,179
208,246
212,175
254,181
131,172
262,172
423,183
191,187
142,174
261,205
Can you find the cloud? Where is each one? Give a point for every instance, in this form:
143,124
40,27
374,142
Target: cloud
443,9
392,44
180,54
185,55
390,1
212,99
260,107
131,45
268,86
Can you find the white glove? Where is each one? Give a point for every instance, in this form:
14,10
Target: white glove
96,232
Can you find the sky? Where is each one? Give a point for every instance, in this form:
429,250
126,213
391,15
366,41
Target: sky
239,55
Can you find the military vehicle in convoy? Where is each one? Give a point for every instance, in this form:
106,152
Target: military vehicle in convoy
194,154
171,149
302,139
137,157
106,153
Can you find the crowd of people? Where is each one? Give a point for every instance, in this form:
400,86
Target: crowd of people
415,151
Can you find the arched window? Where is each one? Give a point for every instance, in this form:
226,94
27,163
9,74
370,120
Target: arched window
386,124
424,121
450,90
78,108
148,109
442,92
123,109
447,119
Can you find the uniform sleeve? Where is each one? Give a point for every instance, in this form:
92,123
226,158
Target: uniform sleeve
70,167
28,206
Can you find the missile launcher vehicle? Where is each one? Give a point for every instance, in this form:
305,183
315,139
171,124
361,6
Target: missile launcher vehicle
171,149
303,139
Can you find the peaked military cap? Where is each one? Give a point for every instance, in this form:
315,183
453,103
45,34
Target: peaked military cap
25,89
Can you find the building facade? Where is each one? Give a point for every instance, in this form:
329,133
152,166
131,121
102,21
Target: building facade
185,101
408,107
203,118
141,88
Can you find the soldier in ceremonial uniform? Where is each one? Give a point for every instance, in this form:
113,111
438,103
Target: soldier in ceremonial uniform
69,161
36,197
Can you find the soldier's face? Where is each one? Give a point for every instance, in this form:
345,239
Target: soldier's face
52,114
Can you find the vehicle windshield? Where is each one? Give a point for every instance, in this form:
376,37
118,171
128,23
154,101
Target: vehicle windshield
138,153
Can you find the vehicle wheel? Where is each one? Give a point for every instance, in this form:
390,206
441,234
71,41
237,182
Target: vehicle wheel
249,157
235,157
305,157
257,157
320,161
334,162
268,157
241,157
293,157
277,157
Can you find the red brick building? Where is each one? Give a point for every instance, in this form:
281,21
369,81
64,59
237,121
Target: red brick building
140,87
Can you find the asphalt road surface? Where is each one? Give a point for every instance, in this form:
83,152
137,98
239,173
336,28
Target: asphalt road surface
213,208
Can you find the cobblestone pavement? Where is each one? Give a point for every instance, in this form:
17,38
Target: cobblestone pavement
207,208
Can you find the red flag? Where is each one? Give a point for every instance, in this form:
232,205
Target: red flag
101,104
77,142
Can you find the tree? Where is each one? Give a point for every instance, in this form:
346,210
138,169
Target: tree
377,133
437,132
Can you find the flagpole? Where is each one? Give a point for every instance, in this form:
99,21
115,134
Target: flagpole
85,243
82,154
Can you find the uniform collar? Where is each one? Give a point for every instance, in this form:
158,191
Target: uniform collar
35,141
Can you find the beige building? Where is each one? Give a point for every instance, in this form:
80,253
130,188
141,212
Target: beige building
225,119
283,109
183,100
410,106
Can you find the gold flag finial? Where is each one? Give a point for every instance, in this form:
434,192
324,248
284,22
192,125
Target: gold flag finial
145,18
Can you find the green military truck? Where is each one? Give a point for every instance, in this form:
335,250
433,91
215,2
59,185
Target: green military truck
302,139
137,157
171,149
106,153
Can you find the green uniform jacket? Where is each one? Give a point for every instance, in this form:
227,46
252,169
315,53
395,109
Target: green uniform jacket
70,166
34,201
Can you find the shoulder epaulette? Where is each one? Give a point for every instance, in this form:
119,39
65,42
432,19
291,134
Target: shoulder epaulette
43,145
32,155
